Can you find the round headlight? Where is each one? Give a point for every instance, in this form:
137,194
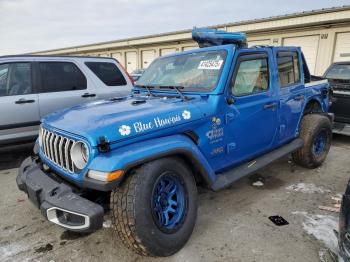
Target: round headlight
80,154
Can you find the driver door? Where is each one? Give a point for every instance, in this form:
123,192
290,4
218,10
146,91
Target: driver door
252,114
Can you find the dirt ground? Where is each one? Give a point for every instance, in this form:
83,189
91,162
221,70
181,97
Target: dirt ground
232,225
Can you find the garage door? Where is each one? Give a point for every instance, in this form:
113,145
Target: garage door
104,55
259,42
309,46
166,51
342,47
131,61
119,57
147,57
186,48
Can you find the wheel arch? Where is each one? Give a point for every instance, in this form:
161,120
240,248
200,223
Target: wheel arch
129,157
313,106
199,172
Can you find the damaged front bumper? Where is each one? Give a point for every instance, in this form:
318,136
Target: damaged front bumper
57,201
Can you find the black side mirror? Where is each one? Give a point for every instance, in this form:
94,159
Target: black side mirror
230,100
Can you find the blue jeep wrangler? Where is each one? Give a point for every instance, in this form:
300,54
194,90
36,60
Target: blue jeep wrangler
203,117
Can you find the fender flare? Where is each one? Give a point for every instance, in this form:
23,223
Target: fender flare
135,154
314,98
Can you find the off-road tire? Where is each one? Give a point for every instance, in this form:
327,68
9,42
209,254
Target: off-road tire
132,213
312,125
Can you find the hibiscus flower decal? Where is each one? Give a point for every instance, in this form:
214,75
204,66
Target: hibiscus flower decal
125,130
186,114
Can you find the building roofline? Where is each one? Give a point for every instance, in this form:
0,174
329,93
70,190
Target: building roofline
238,23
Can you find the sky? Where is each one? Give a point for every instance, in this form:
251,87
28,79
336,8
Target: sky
36,25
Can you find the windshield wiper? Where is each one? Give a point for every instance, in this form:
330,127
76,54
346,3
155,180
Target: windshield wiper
177,88
148,88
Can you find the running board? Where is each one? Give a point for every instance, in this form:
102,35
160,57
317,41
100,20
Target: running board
225,179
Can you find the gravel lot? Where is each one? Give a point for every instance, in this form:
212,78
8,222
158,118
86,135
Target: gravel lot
232,225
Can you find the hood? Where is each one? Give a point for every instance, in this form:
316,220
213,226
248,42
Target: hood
125,119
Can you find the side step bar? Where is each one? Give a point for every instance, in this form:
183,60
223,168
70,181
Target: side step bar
225,179
341,128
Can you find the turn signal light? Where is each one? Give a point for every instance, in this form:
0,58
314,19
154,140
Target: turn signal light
105,176
114,175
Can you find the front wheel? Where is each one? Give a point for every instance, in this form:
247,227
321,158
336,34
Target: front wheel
154,211
316,131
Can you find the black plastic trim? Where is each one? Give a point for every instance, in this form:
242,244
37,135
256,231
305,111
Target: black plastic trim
19,125
45,192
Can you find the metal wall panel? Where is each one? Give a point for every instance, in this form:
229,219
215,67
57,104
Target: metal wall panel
342,47
147,56
309,46
131,61
167,51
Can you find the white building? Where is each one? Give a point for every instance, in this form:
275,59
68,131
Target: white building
323,35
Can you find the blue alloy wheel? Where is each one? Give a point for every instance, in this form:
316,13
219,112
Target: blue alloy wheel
319,144
168,202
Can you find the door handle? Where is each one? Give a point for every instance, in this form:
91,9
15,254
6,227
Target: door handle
271,106
298,97
88,95
24,101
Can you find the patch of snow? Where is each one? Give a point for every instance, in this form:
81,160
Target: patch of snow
107,224
258,183
322,228
10,250
307,188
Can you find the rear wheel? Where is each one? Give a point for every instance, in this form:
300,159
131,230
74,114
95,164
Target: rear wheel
316,131
154,211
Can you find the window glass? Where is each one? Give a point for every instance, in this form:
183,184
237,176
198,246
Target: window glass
15,79
108,73
4,70
296,67
198,71
252,77
337,71
61,76
288,69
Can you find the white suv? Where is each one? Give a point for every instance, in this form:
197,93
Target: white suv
34,86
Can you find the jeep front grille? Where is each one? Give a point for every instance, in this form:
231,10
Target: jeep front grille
57,149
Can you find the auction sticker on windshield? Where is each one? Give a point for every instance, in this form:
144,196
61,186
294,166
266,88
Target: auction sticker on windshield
210,64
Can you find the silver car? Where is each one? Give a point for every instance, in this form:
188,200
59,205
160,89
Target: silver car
34,86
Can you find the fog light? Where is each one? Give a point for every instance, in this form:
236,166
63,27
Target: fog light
67,219
105,176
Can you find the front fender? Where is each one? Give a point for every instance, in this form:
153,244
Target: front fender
132,155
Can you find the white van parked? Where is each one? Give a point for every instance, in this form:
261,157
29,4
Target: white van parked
34,86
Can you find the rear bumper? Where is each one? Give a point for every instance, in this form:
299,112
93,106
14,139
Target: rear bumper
57,201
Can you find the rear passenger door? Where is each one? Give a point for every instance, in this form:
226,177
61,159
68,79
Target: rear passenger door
109,79
19,118
62,85
292,93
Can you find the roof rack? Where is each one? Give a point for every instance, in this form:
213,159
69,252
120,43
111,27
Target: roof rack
206,37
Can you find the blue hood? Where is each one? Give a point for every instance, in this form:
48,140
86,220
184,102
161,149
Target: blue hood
119,120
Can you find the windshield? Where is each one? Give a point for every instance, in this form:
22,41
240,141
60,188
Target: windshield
339,71
198,71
